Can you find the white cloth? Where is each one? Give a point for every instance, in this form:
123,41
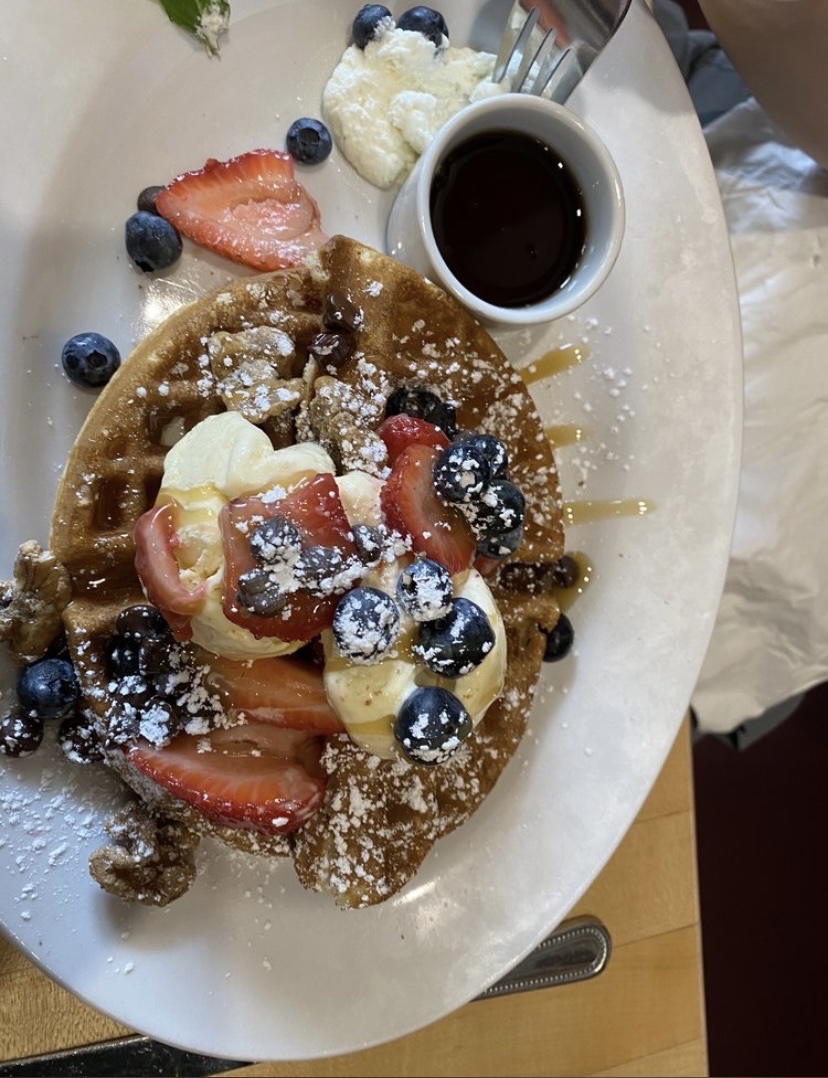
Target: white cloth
770,640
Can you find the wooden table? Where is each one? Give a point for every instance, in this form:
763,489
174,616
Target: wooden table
644,1015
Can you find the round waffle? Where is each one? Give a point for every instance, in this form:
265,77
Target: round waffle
250,346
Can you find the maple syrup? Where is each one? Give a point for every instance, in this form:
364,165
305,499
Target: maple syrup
508,217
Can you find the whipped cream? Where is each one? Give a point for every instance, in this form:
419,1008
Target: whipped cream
385,103
368,697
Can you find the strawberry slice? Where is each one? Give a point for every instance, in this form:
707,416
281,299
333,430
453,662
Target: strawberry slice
250,209
400,431
155,542
412,507
254,776
283,691
316,511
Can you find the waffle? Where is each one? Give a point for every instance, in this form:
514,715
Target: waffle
379,818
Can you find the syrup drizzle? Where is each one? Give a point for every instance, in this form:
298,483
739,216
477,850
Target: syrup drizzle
551,363
565,434
555,361
603,509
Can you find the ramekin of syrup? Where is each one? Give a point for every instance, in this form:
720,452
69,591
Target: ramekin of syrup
516,208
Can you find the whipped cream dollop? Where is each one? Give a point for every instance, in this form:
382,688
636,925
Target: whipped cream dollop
385,103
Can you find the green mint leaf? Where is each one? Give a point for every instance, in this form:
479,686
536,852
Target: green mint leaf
207,19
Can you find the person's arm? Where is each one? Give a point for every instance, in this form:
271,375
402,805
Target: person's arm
780,50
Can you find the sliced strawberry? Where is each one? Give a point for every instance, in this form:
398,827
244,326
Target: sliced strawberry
316,510
400,431
254,776
250,209
282,691
411,505
159,572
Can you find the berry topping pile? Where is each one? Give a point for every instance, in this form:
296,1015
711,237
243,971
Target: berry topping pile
47,690
448,489
156,685
287,561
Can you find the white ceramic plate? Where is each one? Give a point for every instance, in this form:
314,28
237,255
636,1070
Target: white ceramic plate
103,98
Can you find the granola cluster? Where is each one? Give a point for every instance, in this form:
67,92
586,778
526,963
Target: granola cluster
32,603
150,859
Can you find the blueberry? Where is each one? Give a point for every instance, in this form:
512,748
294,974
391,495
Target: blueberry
142,622
78,740
123,724
152,242
341,314
160,721
368,23
331,349
424,590
365,624
318,567
427,21
424,404
559,641
153,656
146,199
501,509
259,594
500,546
274,541
122,656
490,447
308,141
90,359
454,645
431,725
48,688
20,734
368,541
462,473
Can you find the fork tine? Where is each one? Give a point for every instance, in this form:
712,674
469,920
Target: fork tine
531,56
548,65
541,58
566,76
514,41
507,42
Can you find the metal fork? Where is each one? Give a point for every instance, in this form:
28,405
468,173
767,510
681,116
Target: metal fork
548,45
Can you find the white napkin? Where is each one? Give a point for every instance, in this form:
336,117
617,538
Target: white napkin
770,640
